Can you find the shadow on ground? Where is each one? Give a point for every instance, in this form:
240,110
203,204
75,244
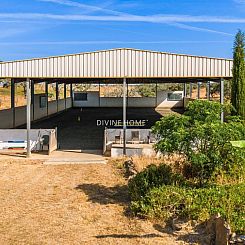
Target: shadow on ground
105,195
196,236
152,235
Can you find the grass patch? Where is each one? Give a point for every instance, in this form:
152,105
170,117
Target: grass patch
157,192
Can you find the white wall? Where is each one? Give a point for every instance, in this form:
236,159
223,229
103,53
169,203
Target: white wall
93,100
160,102
7,116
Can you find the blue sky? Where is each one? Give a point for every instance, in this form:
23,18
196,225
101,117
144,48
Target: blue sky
39,28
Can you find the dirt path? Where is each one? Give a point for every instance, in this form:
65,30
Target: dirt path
69,204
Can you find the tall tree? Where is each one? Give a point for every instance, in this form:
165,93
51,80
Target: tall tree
238,83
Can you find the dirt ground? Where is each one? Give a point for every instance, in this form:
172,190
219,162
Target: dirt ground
70,204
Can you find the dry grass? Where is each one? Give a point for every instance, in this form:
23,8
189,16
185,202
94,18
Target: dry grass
69,204
175,161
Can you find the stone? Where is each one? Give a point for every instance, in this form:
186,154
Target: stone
223,232
130,169
178,225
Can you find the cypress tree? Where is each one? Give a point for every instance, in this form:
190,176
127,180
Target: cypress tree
238,82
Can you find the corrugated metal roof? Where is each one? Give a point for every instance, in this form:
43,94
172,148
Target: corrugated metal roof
119,63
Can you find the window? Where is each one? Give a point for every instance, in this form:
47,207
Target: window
43,102
80,96
174,96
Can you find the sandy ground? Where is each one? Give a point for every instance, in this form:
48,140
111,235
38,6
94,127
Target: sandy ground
69,204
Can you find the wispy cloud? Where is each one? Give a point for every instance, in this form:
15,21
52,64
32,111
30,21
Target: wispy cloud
118,13
193,28
239,1
129,18
109,42
90,8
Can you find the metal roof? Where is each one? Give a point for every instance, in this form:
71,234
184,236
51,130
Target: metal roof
119,63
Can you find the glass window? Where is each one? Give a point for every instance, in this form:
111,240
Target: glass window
80,96
174,96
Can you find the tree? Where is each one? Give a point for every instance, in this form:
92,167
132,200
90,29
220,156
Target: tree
201,138
238,82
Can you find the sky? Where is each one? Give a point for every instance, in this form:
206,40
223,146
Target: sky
41,28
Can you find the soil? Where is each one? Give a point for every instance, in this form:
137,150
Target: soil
70,204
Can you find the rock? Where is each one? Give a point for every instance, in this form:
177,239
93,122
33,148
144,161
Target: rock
130,169
210,224
178,225
223,232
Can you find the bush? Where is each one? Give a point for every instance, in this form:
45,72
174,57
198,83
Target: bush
202,140
198,203
153,176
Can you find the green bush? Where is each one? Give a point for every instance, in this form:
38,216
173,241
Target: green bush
197,203
202,139
153,176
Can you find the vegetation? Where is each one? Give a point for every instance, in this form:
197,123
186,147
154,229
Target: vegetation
211,177
238,82
170,201
202,140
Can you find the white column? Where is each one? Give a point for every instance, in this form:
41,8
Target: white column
124,114
28,117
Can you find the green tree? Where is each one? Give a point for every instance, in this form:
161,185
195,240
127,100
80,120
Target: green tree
203,141
238,83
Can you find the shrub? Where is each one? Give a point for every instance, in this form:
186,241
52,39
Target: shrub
153,176
202,139
198,203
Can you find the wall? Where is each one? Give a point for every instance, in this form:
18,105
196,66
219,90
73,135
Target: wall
160,102
93,100
19,114
36,136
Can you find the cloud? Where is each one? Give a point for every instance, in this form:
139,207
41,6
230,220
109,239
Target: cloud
175,20
188,27
127,4
239,1
90,8
108,42
128,18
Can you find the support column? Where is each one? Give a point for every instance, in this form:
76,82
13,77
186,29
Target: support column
71,94
99,93
65,94
28,117
57,95
32,99
156,95
208,90
13,100
46,93
198,90
190,90
124,114
185,90
222,99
